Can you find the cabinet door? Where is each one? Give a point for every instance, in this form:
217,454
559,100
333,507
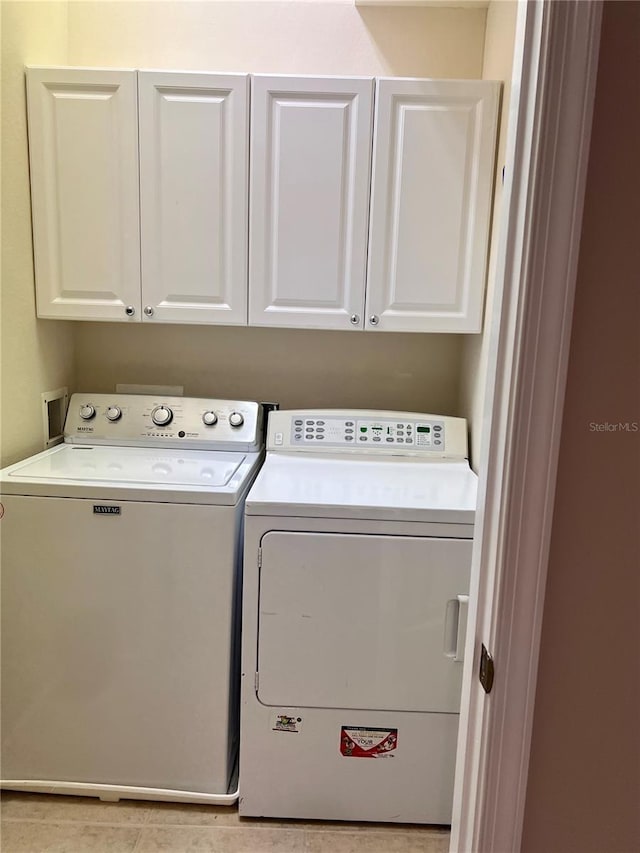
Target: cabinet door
194,196
434,149
83,148
310,171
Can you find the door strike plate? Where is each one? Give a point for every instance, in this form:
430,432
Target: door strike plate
486,670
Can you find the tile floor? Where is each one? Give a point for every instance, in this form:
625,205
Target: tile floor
35,823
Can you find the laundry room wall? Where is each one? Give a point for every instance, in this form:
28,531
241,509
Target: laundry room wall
37,355
296,368
497,65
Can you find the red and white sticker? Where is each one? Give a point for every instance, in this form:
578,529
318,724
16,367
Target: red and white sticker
363,742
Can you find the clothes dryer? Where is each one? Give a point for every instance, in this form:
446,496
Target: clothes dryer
358,540
120,567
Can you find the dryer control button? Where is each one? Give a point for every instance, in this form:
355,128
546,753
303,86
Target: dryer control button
236,419
209,418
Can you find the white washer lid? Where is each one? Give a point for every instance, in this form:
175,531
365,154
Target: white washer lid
130,473
394,488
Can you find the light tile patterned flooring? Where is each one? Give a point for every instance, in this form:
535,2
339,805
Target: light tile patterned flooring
35,823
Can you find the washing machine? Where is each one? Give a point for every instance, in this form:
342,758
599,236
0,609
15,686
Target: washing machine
120,566
358,537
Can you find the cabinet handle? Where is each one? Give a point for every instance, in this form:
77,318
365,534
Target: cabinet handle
130,311
355,319
148,310
374,319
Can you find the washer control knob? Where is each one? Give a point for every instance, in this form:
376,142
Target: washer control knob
209,419
114,413
87,412
162,415
236,419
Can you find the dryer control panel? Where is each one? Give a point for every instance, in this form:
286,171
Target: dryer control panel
146,421
371,432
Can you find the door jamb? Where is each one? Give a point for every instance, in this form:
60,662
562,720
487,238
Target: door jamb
555,65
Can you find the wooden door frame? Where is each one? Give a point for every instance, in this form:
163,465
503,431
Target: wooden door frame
555,65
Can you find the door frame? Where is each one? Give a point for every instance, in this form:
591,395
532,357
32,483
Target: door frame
554,75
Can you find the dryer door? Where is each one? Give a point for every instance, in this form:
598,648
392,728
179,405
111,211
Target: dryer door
360,621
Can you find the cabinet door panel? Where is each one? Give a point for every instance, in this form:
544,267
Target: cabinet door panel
431,204
310,164
83,147
194,196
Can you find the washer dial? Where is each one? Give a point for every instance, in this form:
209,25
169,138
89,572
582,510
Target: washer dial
87,412
209,418
114,413
236,419
162,415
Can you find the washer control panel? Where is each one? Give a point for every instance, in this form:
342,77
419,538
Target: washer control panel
146,420
370,432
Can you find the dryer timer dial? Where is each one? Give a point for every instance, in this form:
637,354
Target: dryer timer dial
236,419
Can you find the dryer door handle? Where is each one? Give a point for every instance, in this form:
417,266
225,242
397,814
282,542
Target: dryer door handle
455,627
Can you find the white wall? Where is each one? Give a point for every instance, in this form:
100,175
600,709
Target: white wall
37,355
282,37
497,65
291,366
295,368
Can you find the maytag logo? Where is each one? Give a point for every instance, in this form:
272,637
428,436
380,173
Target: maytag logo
103,509
85,429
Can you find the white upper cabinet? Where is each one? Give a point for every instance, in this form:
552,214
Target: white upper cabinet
433,163
194,136
150,202
309,200
83,146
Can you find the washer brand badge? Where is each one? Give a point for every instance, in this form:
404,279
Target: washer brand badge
103,509
84,429
286,723
362,742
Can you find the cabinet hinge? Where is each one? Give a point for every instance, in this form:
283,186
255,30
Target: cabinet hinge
486,670
259,558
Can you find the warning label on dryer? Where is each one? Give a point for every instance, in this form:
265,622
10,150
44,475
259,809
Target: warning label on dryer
286,723
362,742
